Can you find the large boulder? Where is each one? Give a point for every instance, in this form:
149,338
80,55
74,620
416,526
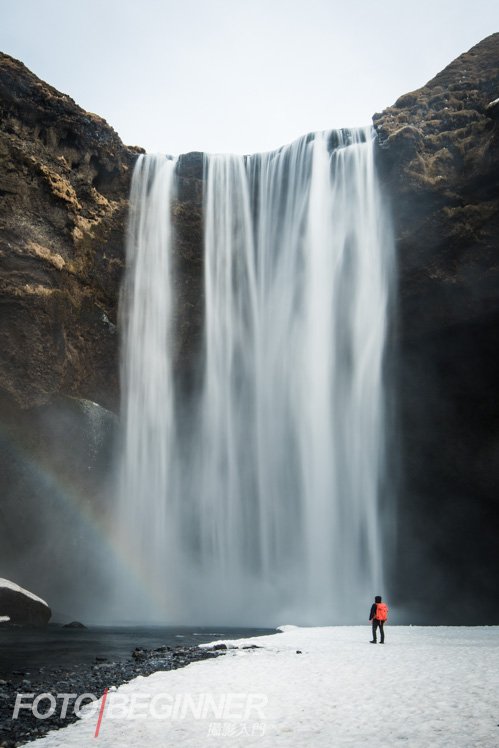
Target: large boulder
21,607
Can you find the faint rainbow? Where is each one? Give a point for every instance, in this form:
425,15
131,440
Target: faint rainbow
77,505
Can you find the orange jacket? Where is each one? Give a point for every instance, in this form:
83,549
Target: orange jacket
381,612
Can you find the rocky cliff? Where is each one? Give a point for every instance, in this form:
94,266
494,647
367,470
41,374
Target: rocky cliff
64,182
64,185
439,155
439,158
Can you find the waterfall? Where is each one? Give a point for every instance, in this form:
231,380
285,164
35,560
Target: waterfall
146,478
267,508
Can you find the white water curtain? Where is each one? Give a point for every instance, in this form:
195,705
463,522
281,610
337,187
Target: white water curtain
266,510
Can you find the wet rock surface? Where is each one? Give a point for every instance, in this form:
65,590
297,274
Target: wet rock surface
81,679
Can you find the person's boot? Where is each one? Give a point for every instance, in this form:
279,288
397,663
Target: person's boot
373,641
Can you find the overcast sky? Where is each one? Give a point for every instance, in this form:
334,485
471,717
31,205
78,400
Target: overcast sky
238,75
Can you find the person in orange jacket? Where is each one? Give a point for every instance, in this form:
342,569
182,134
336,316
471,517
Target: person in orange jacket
378,616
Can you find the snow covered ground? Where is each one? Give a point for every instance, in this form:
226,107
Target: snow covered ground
425,687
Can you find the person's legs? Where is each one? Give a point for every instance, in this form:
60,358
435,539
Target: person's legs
382,631
375,625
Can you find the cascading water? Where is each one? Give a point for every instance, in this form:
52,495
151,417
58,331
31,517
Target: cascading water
146,477
266,509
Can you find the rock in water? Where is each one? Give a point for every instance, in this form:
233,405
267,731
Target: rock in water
22,607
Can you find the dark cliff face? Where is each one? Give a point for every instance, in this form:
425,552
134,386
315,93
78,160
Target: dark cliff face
64,183
439,160
439,155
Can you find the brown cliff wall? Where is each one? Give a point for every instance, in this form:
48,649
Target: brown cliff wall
64,181
439,158
64,185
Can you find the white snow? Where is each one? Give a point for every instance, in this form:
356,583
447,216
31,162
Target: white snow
3,619
13,586
426,687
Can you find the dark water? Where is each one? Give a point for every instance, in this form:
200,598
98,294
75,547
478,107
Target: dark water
32,649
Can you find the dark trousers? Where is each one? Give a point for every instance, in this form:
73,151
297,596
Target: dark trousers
377,623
